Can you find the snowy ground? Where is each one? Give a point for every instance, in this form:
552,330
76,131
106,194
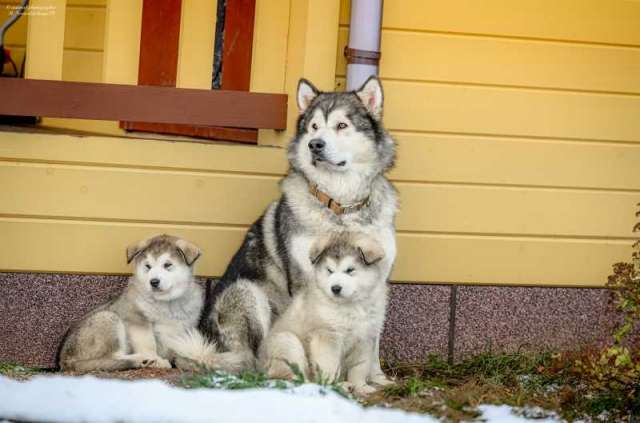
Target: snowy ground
82,399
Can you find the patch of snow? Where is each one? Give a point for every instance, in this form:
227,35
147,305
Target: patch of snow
508,414
81,399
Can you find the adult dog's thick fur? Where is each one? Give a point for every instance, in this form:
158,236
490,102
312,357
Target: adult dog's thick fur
330,329
162,302
340,150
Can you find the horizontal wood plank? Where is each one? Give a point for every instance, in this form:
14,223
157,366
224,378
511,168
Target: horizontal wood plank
63,191
143,103
499,61
594,21
516,161
421,157
108,151
94,247
432,107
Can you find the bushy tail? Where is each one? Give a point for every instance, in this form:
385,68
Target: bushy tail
193,352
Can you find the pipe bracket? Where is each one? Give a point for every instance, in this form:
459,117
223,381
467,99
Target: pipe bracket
362,57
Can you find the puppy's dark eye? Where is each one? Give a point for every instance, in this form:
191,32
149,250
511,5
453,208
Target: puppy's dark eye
147,266
350,271
329,270
341,125
168,265
314,126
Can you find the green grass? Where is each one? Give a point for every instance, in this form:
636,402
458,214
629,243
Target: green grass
16,371
548,381
251,380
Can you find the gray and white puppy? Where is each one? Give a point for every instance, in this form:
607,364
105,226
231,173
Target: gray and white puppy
330,329
161,300
335,183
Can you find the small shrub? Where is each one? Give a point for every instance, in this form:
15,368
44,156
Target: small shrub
614,371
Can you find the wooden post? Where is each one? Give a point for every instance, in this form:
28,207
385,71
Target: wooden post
45,39
280,59
122,42
197,32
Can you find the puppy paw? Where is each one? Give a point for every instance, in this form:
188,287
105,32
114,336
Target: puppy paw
363,390
147,362
381,380
357,390
161,363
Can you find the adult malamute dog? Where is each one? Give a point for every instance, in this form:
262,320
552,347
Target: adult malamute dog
336,182
161,300
331,327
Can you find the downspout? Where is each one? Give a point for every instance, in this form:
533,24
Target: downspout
363,50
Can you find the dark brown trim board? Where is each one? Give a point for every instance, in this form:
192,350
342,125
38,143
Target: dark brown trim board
38,308
159,47
82,100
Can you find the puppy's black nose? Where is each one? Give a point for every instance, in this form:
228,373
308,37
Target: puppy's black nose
154,282
336,289
316,145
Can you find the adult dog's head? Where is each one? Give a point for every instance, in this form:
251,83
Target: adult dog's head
341,134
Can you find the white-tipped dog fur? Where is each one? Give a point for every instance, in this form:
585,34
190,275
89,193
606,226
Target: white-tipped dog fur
331,329
162,301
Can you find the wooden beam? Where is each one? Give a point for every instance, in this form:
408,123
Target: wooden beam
80,100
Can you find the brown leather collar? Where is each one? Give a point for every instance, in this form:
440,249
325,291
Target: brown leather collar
336,207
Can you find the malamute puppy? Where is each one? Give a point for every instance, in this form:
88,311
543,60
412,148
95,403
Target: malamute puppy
331,327
161,300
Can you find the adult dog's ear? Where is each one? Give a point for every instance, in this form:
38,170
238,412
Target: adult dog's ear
370,250
306,93
319,248
190,252
134,249
370,93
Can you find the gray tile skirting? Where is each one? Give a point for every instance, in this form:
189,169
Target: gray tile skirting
457,321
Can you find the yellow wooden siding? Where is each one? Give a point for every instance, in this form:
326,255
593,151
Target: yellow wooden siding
113,190
588,21
511,119
505,62
518,150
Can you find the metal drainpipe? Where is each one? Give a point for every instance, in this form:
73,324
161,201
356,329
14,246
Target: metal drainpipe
363,51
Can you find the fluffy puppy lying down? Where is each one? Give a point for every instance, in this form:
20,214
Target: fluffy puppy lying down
161,301
330,329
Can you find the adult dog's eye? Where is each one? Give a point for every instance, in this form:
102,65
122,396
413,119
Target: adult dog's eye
350,271
341,125
329,270
314,126
148,266
168,265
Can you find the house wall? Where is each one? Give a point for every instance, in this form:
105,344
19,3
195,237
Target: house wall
518,132
83,38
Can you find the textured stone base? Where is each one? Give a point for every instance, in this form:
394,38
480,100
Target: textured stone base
37,309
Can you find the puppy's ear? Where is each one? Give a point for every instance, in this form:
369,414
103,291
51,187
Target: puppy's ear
319,248
371,96
306,93
190,252
370,250
134,249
